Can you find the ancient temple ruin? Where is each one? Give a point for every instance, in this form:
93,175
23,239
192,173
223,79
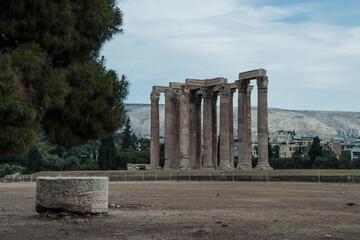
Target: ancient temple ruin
190,146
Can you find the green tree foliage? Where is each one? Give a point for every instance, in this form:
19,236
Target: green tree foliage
127,140
90,164
327,160
355,164
345,160
145,144
34,160
277,162
72,164
107,158
162,155
129,155
315,150
50,72
254,161
6,169
17,117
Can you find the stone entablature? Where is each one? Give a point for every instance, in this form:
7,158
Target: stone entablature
188,145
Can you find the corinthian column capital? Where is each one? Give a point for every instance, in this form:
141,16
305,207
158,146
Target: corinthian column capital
262,82
243,85
169,94
207,93
154,96
184,94
224,89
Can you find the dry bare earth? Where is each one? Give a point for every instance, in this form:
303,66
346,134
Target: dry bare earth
191,210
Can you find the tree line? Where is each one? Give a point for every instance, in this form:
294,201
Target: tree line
316,157
110,153
121,148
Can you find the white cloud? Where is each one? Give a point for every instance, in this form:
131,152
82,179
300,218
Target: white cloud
172,40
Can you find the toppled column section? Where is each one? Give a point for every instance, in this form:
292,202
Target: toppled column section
80,195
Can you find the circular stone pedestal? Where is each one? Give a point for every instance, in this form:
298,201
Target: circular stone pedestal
81,195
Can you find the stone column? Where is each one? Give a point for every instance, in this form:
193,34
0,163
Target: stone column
169,129
214,129
198,128
263,157
176,114
154,131
231,129
224,127
184,129
192,130
244,153
248,126
207,129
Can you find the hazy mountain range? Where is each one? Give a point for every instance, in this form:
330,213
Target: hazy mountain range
310,123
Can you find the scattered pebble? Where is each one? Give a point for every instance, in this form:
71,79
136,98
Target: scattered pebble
50,214
224,225
78,221
218,221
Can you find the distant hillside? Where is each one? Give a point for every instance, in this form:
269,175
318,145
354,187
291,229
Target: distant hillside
312,123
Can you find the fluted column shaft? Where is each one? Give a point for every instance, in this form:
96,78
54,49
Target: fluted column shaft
184,129
169,129
224,127
192,131
263,157
214,130
207,130
244,152
195,131
198,128
248,126
154,131
231,129
176,113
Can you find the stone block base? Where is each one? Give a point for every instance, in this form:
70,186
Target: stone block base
81,195
244,167
225,167
207,167
263,167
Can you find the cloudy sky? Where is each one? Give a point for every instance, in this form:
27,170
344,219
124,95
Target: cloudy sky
310,48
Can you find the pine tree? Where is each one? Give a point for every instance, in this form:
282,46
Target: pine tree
315,150
34,159
107,159
51,72
127,141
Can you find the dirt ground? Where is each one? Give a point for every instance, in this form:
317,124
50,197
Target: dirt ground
192,210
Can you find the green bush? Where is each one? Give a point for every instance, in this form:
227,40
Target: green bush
6,169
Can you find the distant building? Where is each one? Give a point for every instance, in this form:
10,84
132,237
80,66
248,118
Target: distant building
355,153
336,147
287,150
281,137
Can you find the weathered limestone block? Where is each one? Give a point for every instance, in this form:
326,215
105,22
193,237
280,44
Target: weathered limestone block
81,195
